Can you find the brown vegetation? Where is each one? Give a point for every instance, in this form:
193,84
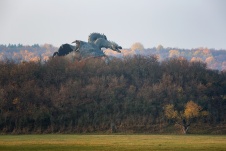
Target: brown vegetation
91,96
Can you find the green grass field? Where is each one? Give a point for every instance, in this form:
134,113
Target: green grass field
111,142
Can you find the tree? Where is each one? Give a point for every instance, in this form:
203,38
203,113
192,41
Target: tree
196,59
174,53
160,47
137,46
185,117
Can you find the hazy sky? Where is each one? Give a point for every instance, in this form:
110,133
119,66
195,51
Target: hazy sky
171,23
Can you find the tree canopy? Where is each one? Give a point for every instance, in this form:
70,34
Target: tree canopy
184,117
130,94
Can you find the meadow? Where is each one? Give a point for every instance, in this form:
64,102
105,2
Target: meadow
58,142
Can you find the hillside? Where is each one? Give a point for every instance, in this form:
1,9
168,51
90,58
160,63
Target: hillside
127,95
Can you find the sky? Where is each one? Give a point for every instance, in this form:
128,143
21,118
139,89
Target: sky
171,23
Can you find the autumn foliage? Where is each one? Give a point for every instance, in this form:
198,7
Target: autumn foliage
214,59
62,96
184,117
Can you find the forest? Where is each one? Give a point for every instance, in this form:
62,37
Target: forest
134,94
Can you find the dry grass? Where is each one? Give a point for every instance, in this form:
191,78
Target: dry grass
112,142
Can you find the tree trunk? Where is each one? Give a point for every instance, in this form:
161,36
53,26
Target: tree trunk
113,128
185,128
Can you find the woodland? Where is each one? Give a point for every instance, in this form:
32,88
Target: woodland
136,94
215,59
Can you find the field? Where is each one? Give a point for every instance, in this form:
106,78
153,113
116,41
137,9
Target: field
111,142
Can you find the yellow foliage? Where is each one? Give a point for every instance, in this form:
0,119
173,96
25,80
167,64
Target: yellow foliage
170,113
137,46
191,110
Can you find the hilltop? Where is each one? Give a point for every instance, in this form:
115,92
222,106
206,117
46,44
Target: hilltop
215,59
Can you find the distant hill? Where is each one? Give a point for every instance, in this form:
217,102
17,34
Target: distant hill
215,59
27,53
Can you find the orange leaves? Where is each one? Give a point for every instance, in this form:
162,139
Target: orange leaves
209,60
174,53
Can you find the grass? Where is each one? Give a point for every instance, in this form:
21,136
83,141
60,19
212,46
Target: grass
111,142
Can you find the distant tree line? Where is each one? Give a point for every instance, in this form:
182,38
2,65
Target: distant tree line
20,53
215,59
134,94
